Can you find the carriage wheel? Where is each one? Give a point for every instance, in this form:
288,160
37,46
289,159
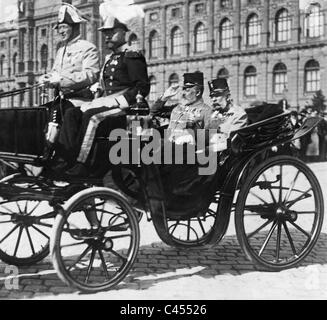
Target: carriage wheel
98,258
126,180
25,225
279,213
191,232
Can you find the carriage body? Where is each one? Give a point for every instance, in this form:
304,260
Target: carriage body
253,152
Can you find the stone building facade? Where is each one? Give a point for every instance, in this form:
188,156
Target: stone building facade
268,49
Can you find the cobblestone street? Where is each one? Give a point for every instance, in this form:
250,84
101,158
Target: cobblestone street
161,272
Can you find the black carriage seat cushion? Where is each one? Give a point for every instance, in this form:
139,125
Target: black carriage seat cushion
270,125
22,130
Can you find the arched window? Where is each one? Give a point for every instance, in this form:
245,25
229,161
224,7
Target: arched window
223,74
280,78
176,41
283,25
253,30
14,63
173,79
312,76
2,65
44,57
314,21
133,41
153,89
226,34
250,81
154,44
200,38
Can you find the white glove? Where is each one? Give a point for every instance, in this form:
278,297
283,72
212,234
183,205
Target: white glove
50,78
218,142
99,103
186,139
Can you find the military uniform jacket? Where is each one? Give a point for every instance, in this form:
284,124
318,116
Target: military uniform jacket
78,66
125,70
233,119
184,119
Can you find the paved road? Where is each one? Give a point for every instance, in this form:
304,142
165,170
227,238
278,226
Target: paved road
162,272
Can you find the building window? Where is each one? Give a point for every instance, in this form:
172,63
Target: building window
176,41
154,44
14,42
283,26
154,16
250,81
133,41
44,57
176,12
199,8
280,78
312,76
226,34
200,38
253,30
43,32
2,65
2,44
314,22
225,4
173,79
14,63
223,74
153,89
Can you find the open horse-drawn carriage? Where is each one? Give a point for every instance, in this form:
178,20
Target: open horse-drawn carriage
277,202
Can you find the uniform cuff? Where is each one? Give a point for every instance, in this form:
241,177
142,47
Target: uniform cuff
122,102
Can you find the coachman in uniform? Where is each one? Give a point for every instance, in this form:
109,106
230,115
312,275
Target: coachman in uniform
123,77
76,68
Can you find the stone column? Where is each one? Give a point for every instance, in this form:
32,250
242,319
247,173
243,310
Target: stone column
237,26
187,28
163,38
211,20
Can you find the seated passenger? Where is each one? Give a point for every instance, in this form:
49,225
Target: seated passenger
189,114
226,117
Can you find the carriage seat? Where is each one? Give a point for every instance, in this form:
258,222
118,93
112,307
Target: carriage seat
268,125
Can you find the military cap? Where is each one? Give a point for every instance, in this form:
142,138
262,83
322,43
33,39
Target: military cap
193,79
218,87
111,22
69,14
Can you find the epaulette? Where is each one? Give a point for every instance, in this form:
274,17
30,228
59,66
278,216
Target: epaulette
134,54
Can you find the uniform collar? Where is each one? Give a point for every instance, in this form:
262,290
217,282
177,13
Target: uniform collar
74,40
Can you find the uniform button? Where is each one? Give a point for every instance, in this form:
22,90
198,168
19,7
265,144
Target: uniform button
110,84
113,70
111,78
110,92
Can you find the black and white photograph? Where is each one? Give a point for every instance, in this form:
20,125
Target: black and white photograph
171,150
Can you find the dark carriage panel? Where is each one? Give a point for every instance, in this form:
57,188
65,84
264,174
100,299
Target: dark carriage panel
22,131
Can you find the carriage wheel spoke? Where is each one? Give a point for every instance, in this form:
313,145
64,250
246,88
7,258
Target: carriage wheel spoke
89,269
4,222
18,240
303,196
270,190
268,238
2,205
9,234
104,266
39,203
72,244
188,229
85,252
292,187
41,232
30,240
259,198
279,234
6,214
300,229
201,225
281,185
289,238
175,227
118,255
259,229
